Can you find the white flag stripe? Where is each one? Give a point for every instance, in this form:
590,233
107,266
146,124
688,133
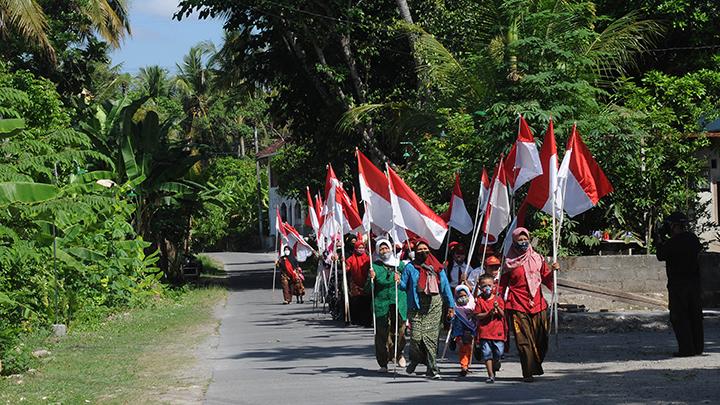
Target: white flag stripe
459,217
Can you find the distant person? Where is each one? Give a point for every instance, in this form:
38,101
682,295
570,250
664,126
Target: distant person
490,315
290,277
464,328
357,267
524,270
427,286
679,249
492,267
385,274
457,269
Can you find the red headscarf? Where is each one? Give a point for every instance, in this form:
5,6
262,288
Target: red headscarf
530,260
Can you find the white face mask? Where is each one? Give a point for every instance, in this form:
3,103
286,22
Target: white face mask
287,252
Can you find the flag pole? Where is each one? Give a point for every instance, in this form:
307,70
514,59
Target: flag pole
387,174
447,245
372,282
277,247
555,286
346,296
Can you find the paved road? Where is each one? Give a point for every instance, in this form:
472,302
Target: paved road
273,353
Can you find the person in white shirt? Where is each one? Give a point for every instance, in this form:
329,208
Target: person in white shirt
457,269
492,264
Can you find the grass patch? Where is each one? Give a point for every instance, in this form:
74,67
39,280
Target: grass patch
210,266
143,355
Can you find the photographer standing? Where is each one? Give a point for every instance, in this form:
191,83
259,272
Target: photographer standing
679,249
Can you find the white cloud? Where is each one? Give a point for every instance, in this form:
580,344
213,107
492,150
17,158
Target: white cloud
159,8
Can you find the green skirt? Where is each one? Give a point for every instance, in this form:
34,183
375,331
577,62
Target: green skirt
425,323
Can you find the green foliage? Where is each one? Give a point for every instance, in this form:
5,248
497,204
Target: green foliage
235,222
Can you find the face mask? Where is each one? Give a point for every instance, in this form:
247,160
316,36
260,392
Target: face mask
287,252
522,246
421,256
385,257
462,301
360,252
486,291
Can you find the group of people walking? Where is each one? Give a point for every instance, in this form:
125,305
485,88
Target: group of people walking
411,293
407,287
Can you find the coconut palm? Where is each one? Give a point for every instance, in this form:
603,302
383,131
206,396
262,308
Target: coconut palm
194,81
26,19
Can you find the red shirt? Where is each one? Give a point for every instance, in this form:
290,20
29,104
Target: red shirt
518,297
358,267
492,327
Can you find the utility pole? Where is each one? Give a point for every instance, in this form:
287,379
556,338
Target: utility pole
259,187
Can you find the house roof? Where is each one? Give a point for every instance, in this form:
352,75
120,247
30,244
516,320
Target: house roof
271,150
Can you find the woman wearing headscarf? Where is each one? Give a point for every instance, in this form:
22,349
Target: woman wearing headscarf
384,275
523,272
357,267
427,286
290,276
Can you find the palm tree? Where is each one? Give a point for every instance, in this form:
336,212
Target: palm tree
154,81
26,19
194,81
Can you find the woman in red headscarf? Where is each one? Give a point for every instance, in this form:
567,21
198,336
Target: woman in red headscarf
523,271
357,267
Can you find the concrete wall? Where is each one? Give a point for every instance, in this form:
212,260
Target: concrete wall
639,274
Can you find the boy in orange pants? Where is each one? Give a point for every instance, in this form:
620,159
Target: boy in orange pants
463,326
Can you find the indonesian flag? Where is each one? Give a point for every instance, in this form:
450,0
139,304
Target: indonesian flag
411,213
332,223
296,242
518,221
354,200
349,216
484,193
523,162
279,230
312,217
540,194
497,214
457,215
581,179
318,208
375,192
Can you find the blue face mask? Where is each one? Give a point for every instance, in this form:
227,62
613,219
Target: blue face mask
486,291
522,246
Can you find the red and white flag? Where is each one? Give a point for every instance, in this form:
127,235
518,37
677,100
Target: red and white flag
410,212
349,216
279,230
295,241
375,192
331,213
497,214
523,162
484,193
457,215
540,194
312,218
581,179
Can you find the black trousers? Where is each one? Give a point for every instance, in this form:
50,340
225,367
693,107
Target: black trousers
361,310
686,316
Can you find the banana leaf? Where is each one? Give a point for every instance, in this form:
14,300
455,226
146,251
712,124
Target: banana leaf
26,192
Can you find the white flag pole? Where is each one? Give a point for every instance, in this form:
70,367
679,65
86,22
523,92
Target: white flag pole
372,282
474,237
277,247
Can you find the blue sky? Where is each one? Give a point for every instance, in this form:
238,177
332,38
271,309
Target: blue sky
157,39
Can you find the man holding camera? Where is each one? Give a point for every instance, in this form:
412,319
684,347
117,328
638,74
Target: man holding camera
679,249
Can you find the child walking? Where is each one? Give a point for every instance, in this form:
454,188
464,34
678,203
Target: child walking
464,326
490,314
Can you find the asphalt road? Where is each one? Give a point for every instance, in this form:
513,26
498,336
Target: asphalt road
273,353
